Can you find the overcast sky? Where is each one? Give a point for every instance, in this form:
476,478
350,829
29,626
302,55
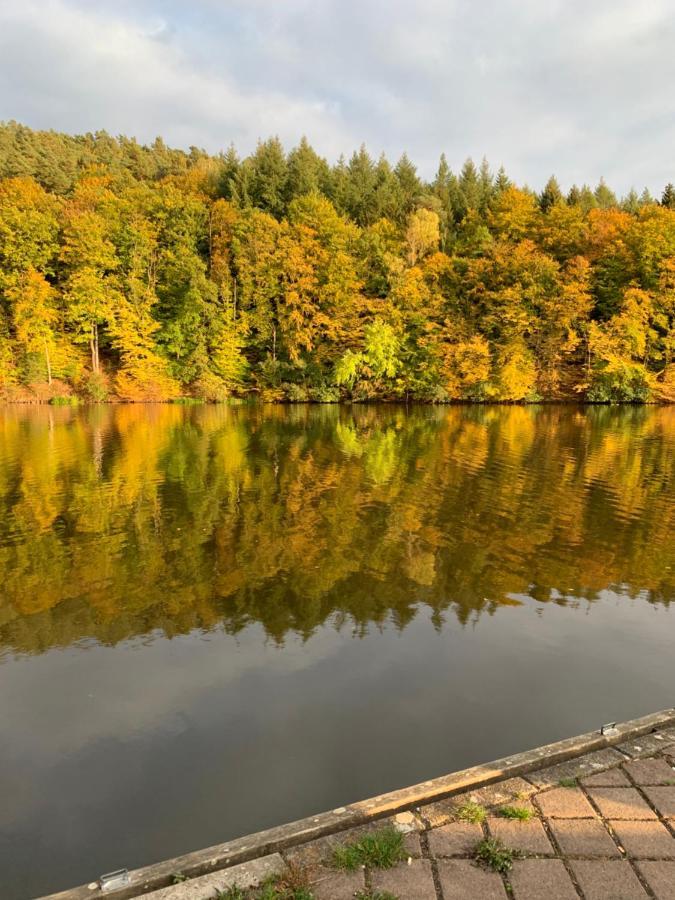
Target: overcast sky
580,89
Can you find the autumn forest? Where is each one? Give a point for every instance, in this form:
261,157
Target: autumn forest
136,273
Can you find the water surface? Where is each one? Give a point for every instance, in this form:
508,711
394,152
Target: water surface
216,619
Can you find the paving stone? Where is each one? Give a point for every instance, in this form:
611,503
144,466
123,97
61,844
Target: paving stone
660,876
587,764
204,887
663,799
443,811
565,803
518,804
528,837
583,837
513,789
338,885
621,803
311,854
413,881
650,771
645,745
462,880
646,839
454,839
611,778
541,879
608,879
317,852
411,844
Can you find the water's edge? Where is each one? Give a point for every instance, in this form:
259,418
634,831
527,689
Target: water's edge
273,840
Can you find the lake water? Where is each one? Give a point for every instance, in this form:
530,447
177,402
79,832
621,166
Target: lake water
217,619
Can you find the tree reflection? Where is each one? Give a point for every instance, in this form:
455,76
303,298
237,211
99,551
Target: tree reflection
120,521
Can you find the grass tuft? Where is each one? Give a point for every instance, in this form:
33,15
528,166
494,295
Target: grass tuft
491,853
292,885
379,850
471,812
516,812
233,893
568,782
374,895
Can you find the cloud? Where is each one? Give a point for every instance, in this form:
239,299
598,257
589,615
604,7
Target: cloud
539,86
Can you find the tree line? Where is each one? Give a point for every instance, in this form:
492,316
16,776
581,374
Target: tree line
138,272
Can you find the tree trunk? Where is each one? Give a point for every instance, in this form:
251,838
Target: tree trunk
49,364
93,343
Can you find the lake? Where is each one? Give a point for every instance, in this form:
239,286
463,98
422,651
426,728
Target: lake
215,619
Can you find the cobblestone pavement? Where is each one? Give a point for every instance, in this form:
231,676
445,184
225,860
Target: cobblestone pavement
602,827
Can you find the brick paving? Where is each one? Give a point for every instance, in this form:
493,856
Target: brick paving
608,834
598,827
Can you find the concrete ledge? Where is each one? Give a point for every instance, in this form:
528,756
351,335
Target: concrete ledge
273,840
245,875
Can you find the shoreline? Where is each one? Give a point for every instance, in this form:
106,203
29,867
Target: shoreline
253,400
599,746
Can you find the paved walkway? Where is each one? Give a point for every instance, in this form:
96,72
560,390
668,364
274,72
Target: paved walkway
600,827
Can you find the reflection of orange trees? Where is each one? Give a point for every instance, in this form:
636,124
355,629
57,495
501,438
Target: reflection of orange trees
120,521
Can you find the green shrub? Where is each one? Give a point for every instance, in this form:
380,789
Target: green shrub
625,383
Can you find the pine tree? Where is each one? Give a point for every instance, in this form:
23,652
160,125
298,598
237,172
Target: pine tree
604,197
502,181
551,195
668,196
267,187
469,189
631,202
410,186
574,196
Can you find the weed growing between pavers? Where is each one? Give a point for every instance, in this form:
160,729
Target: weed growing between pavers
494,855
178,878
293,885
516,812
375,895
379,850
568,782
471,812
233,893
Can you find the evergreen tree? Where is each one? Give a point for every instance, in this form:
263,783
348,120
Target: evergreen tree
409,184
267,177
502,181
470,195
229,173
307,172
551,195
603,196
668,196
574,196
631,202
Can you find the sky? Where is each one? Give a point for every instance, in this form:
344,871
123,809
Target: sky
580,89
